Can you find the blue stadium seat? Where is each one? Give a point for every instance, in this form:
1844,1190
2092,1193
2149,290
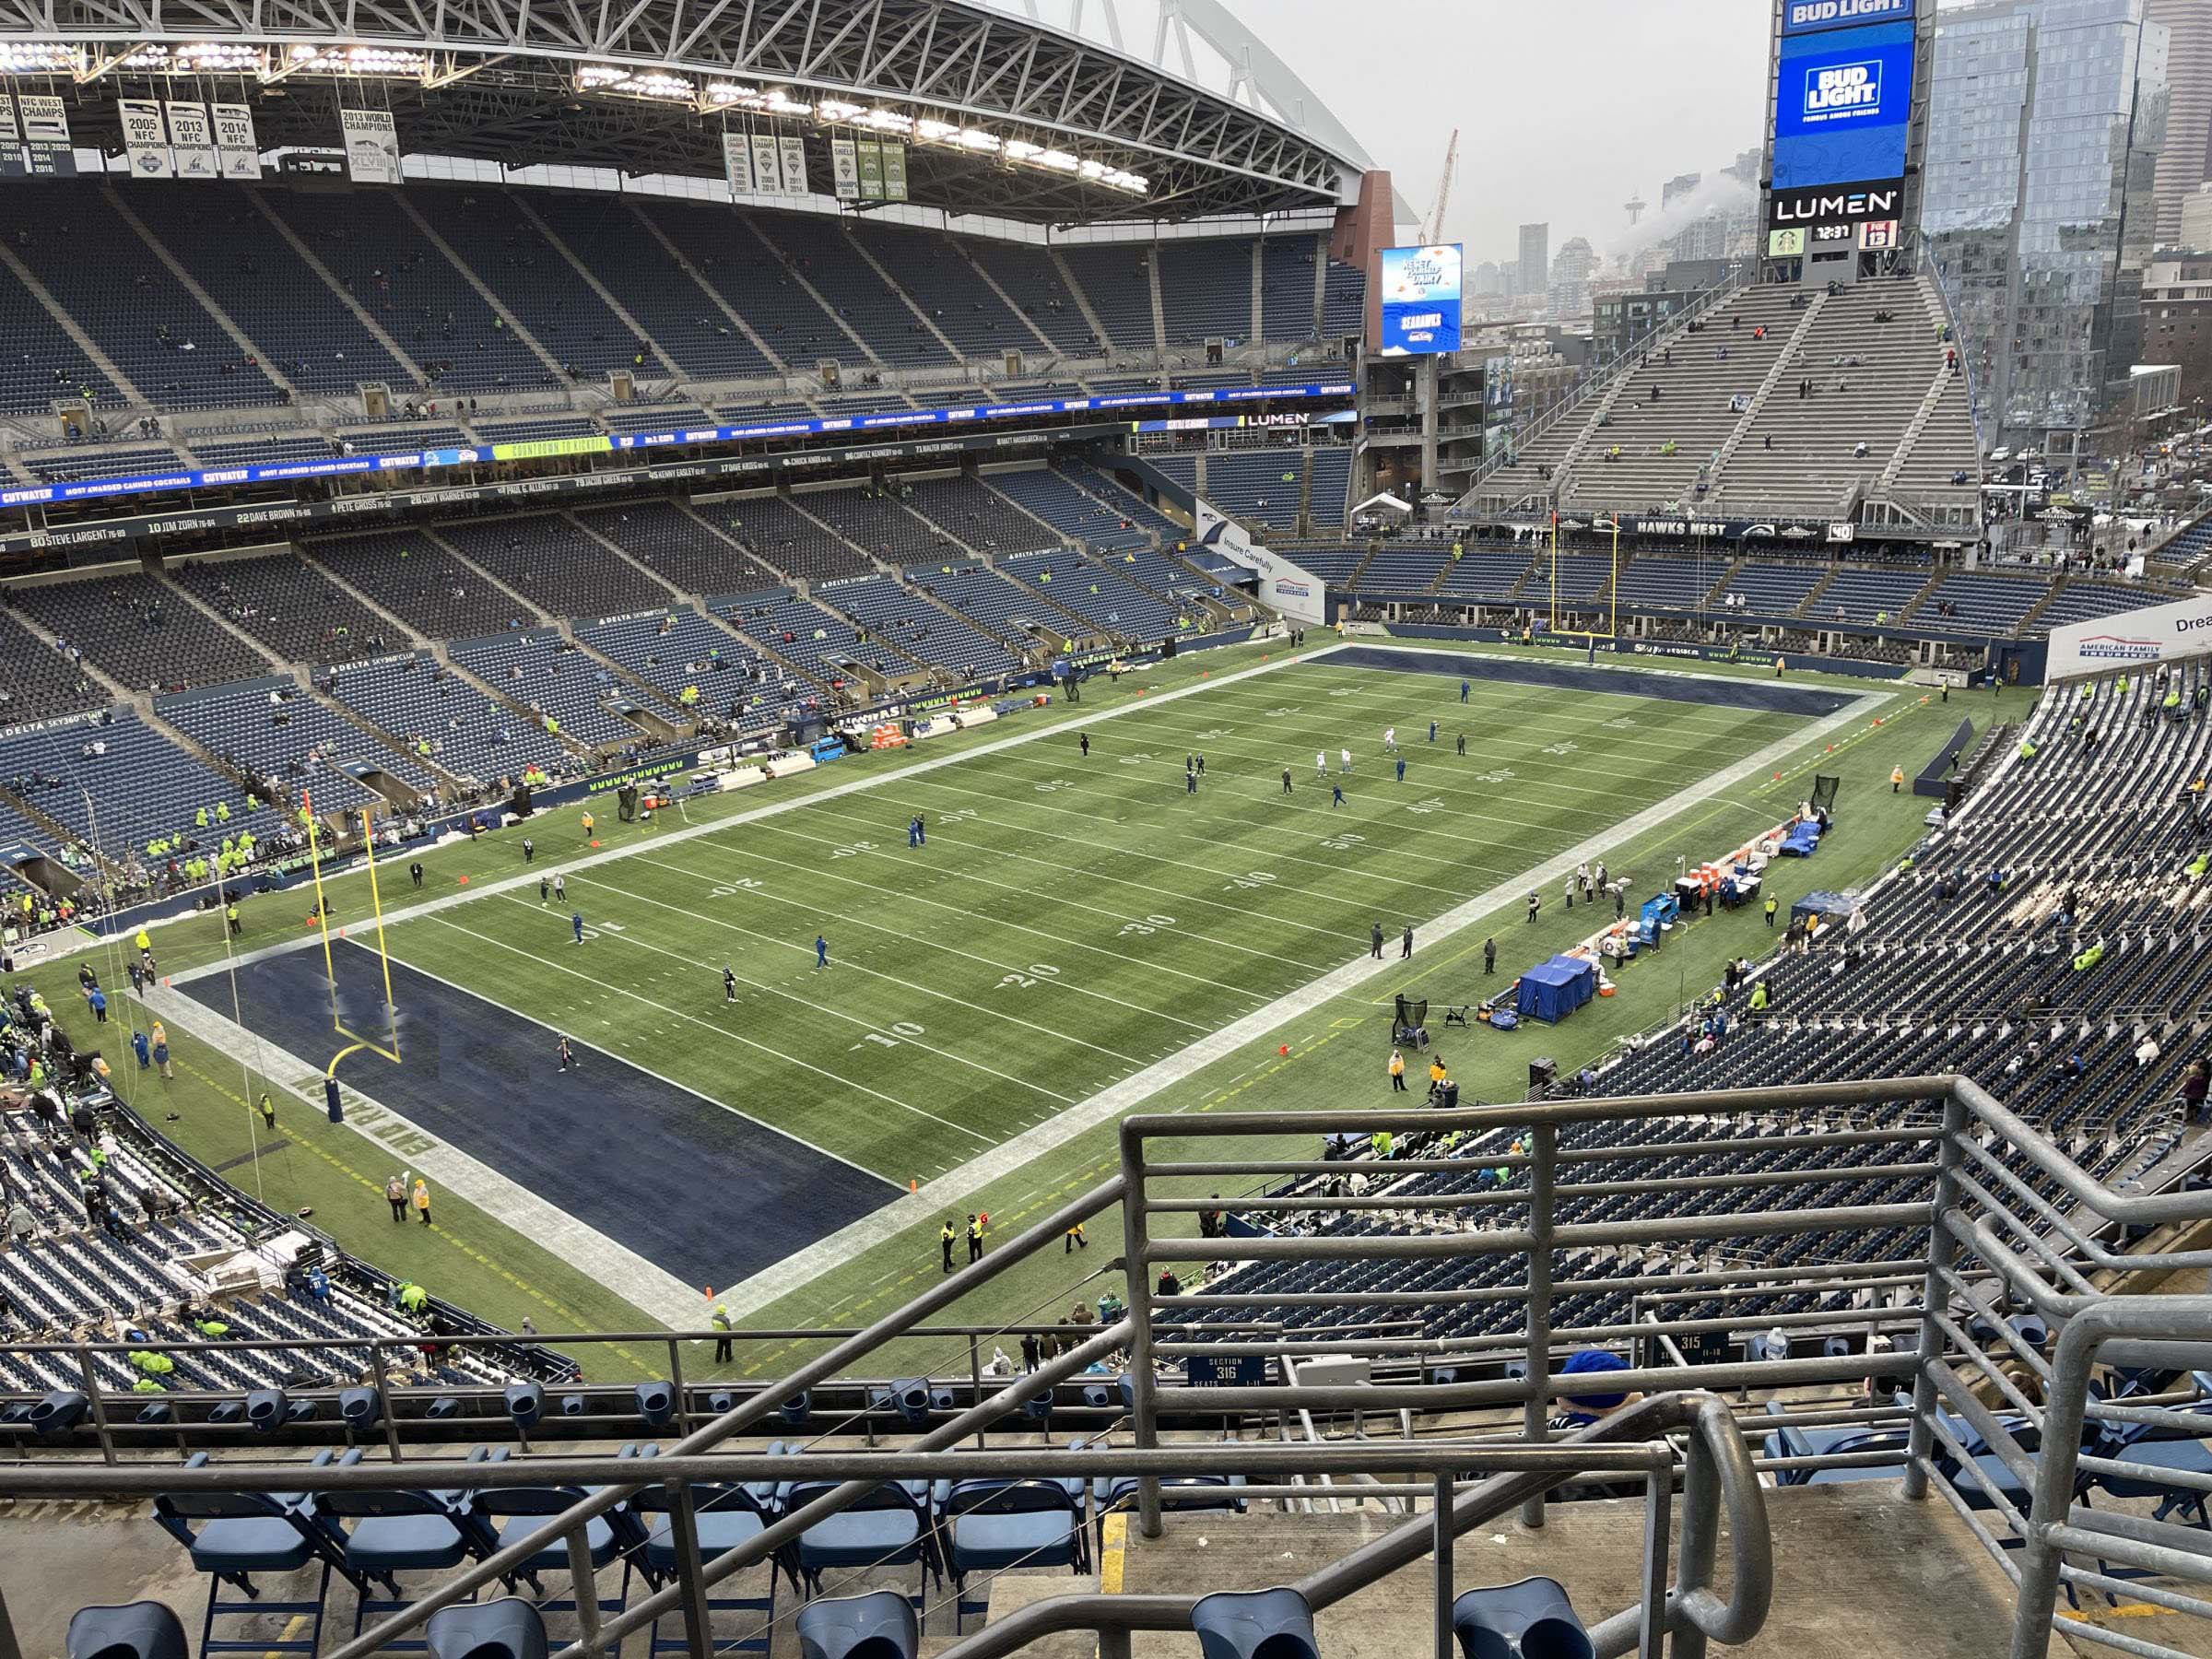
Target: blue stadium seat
888,1526
992,1526
881,1625
1254,1624
507,1629
727,1516
233,1536
144,1630
1532,1620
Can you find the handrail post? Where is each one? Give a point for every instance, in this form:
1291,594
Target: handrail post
1442,1549
1700,1538
384,1399
676,1386
691,1573
585,1577
1658,1506
1537,1404
975,1387
1144,1424
1920,1438
99,1403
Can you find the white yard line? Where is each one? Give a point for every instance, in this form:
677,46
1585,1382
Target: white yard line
408,1146
708,1025
713,975
950,1191
770,809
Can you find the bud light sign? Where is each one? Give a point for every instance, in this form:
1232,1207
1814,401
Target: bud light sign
1421,292
1843,106
1813,17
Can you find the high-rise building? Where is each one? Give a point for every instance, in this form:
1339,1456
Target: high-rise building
1676,188
1486,282
1536,259
2196,221
1571,269
2045,119
2186,161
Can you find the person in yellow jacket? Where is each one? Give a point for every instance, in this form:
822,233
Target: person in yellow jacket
1397,1072
1897,778
422,1201
1436,1071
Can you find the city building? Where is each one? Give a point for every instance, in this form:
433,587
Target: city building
2196,222
1676,188
2177,321
2185,160
1571,269
1536,259
1487,281
2044,124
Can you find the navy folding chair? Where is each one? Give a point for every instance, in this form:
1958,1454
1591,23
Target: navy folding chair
405,1531
994,1525
888,1526
231,1536
514,1513
727,1516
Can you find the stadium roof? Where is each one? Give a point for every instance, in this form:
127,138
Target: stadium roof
1003,112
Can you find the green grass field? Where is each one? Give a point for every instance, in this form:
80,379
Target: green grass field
1073,922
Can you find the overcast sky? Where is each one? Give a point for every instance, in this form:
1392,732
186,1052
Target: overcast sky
1565,107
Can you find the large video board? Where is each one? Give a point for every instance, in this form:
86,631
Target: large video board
1420,289
1813,16
1842,107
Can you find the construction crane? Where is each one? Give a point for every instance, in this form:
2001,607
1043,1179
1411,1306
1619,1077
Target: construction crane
1433,233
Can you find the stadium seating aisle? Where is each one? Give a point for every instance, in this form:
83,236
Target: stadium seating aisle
1051,495
308,331
147,322
681,651
875,520
411,574
295,610
440,719
687,327
1097,594
545,558
132,627
560,686
887,611
118,785
366,240
815,640
820,251
270,729
675,546
774,532
536,286
1116,278
1206,290
1287,285
965,508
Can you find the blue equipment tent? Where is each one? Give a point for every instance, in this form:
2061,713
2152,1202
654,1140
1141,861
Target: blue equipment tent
1553,990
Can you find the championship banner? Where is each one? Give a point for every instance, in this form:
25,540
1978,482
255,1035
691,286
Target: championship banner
844,169
768,165
11,149
871,170
371,146
795,166
46,149
737,162
237,151
894,171
145,138
191,141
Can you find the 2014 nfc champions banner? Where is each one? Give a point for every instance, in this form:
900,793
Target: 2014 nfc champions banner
1420,300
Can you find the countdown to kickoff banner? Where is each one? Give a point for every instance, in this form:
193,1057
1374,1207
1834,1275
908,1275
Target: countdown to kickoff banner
145,138
236,148
371,146
191,141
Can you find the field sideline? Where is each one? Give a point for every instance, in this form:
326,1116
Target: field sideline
1070,927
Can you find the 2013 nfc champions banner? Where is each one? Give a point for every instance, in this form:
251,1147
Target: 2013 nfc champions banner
1420,300
191,141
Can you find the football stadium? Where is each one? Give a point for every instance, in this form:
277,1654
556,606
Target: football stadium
827,820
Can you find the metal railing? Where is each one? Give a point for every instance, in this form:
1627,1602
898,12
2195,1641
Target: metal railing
1992,1299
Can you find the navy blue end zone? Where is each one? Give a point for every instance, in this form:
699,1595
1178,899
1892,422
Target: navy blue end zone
700,1192
1767,696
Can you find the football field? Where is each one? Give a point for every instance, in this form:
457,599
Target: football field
1073,922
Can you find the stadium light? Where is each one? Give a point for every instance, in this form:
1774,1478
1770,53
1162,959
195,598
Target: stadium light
364,62
650,86
41,57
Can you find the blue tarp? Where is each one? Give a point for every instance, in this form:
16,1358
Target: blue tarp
1553,990
1803,841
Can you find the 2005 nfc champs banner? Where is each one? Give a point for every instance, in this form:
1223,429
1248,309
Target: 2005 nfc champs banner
765,163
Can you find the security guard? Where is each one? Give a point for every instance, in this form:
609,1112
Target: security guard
945,1242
